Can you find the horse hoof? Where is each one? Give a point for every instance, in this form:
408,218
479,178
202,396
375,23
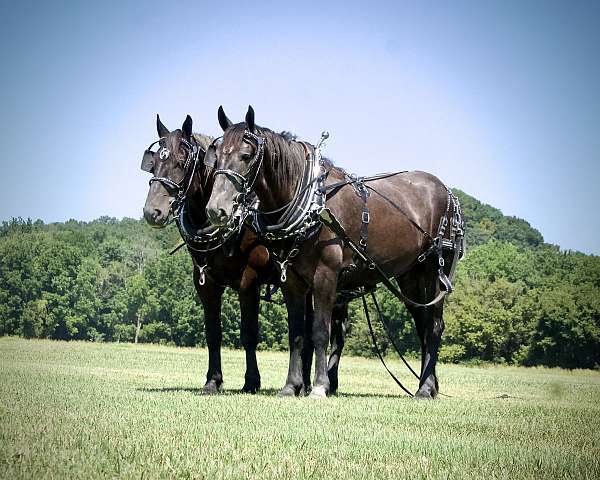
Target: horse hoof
423,396
211,388
251,388
287,391
318,393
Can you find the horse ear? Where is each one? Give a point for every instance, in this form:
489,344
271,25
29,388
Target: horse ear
250,119
187,128
223,120
162,130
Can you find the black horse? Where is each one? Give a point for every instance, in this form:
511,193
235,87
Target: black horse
404,213
240,264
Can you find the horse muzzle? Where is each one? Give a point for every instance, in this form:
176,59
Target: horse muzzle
155,217
217,216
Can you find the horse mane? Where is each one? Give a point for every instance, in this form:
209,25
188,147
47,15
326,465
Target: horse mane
203,140
278,146
203,180
288,135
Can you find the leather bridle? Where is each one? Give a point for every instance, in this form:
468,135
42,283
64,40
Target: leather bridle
243,182
179,189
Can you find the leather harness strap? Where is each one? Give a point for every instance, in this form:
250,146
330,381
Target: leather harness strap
363,193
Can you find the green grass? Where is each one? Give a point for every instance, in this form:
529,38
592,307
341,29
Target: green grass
108,410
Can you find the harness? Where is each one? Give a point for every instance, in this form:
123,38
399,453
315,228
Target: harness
299,218
305,213
455,242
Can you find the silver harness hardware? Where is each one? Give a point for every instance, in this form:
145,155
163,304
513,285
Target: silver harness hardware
202,274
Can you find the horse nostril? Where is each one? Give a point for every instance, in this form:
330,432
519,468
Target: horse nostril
157,213
222,214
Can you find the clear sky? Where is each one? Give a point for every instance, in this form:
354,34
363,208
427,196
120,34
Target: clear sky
500,99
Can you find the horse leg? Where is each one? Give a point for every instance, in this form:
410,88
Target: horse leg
434,327
339,319
325,281
210,295
295,301
422,286
308,349
249,298
419,317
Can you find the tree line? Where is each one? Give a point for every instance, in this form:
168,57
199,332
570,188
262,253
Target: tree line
517,300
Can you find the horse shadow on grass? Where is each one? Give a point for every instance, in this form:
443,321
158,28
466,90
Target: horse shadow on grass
195,390
266,392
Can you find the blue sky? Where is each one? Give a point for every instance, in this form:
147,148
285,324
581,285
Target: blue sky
499,99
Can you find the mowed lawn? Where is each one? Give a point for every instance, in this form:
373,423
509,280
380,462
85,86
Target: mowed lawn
85,410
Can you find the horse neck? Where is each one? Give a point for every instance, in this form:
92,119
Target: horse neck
273,189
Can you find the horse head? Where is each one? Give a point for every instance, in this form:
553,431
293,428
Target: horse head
173,166
249,160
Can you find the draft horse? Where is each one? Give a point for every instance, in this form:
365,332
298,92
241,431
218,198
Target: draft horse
393,218
180,187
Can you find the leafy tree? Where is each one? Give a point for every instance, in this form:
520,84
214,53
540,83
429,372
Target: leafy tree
517,299
142,304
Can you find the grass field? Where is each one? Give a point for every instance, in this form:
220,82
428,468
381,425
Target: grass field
107,410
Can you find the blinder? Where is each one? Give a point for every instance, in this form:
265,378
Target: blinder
148,161
210,157
148,157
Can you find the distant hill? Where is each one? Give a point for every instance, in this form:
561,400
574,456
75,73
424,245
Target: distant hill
485,222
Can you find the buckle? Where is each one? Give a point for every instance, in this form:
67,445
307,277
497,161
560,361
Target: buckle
366,217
